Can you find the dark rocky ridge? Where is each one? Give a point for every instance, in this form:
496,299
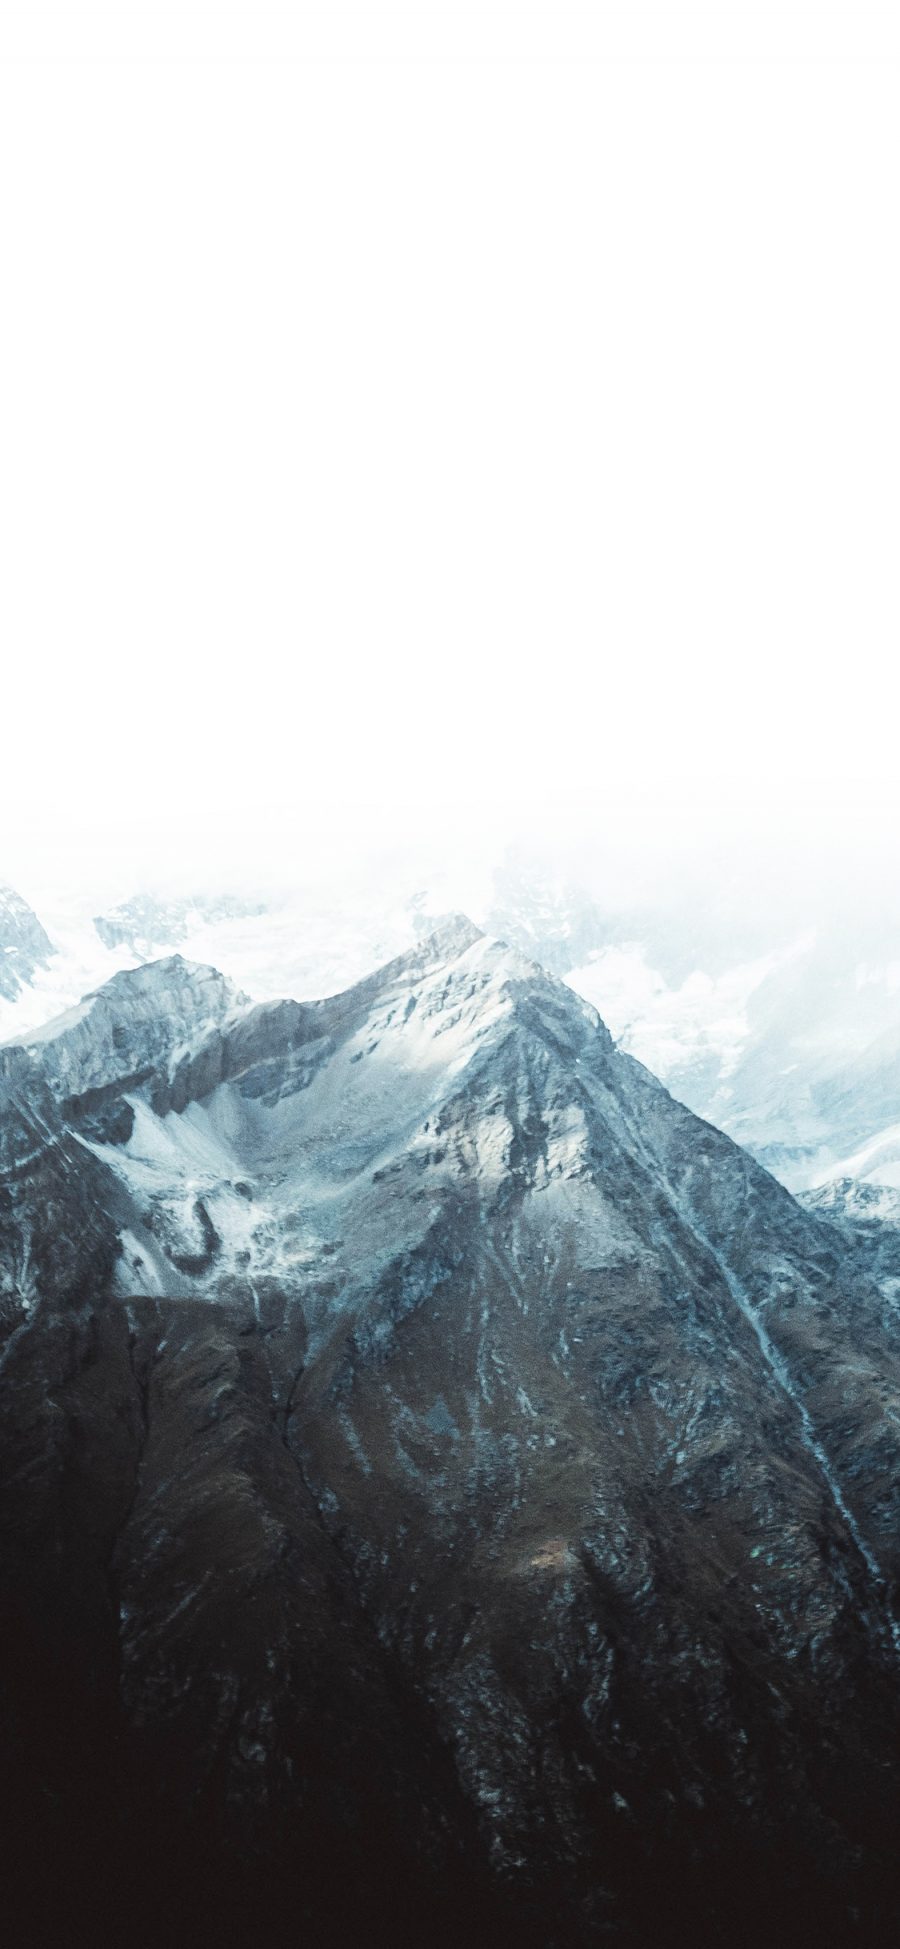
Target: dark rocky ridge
495,1537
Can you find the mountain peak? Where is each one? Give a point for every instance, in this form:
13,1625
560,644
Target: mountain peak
24,945
452,935
142,1017
152,976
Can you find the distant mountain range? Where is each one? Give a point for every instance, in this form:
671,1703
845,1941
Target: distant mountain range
449,1492
147,926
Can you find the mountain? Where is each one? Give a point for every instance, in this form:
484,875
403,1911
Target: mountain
146,925
788,1037
784,1035
302,944
867,1215
855,1201
449,1491
24,946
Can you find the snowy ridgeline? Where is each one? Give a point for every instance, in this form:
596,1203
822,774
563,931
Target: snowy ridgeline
794,1049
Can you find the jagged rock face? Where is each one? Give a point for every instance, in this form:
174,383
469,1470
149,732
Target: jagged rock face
787,1041
24,946
867,1217
57,1237
458,1415
143,1020
855,1200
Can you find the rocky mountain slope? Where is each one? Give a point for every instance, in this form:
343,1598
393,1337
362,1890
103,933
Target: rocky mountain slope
24,946
449,1491
784,1033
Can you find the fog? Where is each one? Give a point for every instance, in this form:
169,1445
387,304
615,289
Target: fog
413,446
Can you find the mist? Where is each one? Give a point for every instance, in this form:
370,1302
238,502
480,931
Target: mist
414,458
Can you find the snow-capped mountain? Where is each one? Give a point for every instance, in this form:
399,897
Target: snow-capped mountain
300,944
450,1486
148,926
24,946
789,1038
789,1041
867,1214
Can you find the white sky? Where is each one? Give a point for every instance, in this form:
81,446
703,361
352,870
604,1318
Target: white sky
415,417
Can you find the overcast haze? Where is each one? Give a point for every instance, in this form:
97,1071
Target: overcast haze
450,443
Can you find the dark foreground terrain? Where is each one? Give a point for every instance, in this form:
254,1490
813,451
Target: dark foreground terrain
449,1493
